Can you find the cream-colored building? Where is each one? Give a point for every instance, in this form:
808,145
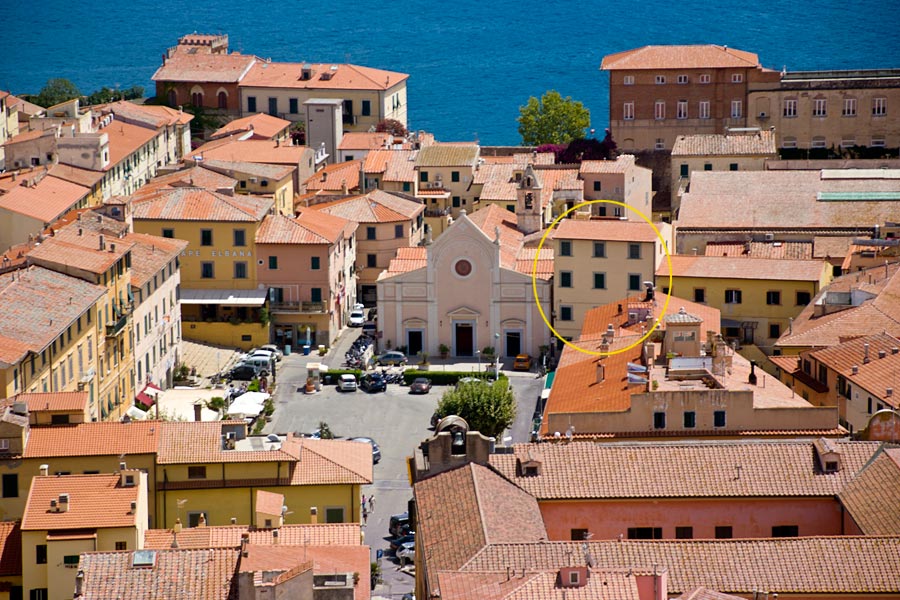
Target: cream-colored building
469,290
599,261
621,180
822,111
367,95
70,514
731,151
275,181
305,160
444,177
31,200
387,223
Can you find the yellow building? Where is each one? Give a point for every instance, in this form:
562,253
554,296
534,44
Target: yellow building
757,296
55,408
221,303
105,261
598,262
48,337
444,177
276,181
70,514
10,560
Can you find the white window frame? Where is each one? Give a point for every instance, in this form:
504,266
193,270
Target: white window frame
682,79
660,144
879,107
849,107
848,142
789,142
659,110
789,109
817,142
877,142
628,80
737,109
660,80
820,107
681,110
628,111
704,78
704,109
737,78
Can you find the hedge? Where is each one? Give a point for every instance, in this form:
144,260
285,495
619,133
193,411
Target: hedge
332,375
443,377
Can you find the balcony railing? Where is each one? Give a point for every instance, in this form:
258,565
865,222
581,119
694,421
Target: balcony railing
312,307
285,306
116,328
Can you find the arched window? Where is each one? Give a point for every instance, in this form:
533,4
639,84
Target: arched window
197,98
173,98
223,99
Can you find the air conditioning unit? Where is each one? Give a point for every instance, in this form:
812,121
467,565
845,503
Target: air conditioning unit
632,316
770,237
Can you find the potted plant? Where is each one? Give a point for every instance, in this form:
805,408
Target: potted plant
423,361
444,350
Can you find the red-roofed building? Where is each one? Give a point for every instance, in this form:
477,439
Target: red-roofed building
70,514
307,262
59,408
387,224
255,127
31,201
470,289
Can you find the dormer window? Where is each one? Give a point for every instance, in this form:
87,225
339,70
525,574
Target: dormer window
831,466
574,578
531,471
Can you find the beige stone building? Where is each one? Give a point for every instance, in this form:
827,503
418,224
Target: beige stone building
821,111
731,151
621,180
443,178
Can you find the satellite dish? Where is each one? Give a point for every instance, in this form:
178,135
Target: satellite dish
570,432
556,434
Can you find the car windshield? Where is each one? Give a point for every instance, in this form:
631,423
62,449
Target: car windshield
421,380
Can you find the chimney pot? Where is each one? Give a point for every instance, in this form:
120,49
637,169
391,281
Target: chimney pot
133,507
882,354
45,470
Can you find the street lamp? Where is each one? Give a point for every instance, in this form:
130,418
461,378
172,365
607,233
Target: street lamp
478,354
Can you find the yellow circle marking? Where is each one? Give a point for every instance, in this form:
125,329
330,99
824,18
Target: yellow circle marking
534,276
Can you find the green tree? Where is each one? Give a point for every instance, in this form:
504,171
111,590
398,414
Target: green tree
487,407
56,91
552,120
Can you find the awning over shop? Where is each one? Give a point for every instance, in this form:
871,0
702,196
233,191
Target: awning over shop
148,395
227,297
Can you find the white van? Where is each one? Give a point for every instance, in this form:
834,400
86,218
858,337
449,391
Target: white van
263,363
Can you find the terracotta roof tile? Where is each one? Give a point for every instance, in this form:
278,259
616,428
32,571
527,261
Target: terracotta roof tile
608,230
268,502
401,166
51,198
212,68
124,140
730,267
831,246
236,169
447,155
200,574
32,311
779,250
475,504
803,566
195,204
52,401
525,262
80,248
364,140
375,207
229,536
10,548
602,584
95,501
334,177
875,375
255,151
12,350
340,76
701,593
150,254
182,442
323,559
407,259
309,227
784,200
620,165
717,144
93,439
871,497
376,161
685,469
325,462
76,175
186,177
701,56
261,124
155,115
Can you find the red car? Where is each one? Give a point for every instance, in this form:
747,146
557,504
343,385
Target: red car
420,385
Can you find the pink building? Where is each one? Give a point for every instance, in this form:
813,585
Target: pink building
307,264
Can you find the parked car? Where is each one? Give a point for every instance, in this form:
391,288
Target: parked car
263,364
376,451
406,553
396,522
359,306
398,542
522,363
347,383
420,385
243,373
373,382
392,357
357,318
274,349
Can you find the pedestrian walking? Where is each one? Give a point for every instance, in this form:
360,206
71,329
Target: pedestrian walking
363,499
372,502
365,512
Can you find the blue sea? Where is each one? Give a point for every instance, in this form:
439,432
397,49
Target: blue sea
472,63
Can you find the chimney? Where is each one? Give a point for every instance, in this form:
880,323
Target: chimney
80,230
122,465
854,370
600,372
198,409
866,353
752,378
895,350
202,521
245,542
882,354
45,470
275,536
133,507
112,247
234,520
63,503
79,583
888,392
102,242
313,515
